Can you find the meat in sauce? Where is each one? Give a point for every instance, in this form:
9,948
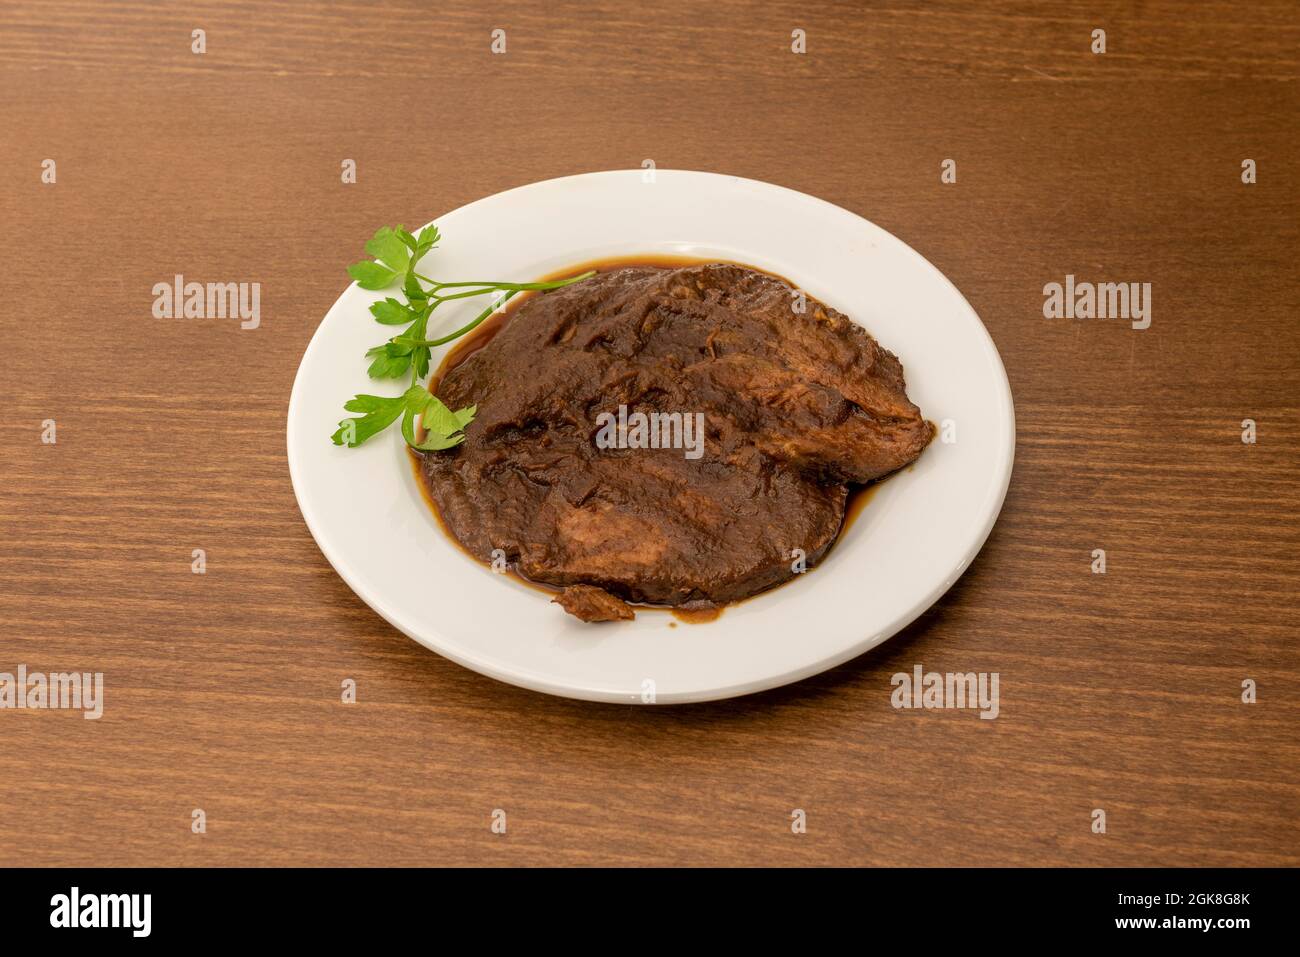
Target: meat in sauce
795,408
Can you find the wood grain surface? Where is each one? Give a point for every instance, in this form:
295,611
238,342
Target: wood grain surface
1120,691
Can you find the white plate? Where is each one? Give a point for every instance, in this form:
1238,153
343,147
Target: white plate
915,537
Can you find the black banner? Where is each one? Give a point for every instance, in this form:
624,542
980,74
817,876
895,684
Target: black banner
136,907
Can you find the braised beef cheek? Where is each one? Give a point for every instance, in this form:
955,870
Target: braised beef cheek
797,405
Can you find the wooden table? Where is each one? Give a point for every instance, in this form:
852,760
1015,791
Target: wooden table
1120,691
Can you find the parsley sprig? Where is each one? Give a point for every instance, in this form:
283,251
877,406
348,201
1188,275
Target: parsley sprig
396,254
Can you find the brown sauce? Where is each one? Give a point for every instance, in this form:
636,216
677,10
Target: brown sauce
858,498
698,616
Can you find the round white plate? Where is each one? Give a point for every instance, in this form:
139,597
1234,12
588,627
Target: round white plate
915,537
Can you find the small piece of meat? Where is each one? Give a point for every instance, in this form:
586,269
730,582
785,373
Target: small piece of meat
593,604
796,407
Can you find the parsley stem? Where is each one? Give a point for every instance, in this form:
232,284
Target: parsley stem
507,287
463,295
516,286
430,343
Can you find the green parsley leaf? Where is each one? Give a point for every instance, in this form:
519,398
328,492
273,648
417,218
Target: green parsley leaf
438,418
371,275
414,291
428,238
391,312
439,443
388,248
386,366
407,239
379,414
398,252
445,427
420,361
